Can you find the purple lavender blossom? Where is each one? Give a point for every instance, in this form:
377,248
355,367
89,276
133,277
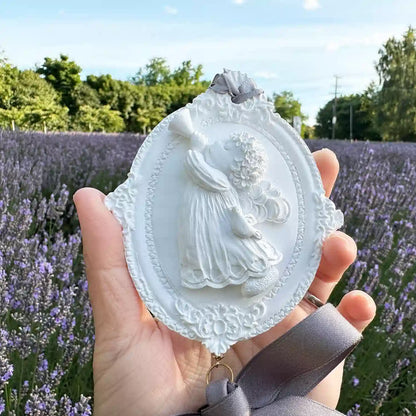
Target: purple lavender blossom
46,318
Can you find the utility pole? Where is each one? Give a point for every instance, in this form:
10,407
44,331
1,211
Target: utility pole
334,107
351,135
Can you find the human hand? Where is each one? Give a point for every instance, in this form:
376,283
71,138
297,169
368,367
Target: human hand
143,368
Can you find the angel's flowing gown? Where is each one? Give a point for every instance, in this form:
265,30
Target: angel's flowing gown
211,254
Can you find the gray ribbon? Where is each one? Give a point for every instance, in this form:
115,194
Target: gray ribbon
225,83
276,381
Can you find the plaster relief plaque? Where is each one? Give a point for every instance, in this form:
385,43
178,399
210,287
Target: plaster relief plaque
223,215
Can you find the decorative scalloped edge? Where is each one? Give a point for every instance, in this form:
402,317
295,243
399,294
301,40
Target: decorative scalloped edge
217,339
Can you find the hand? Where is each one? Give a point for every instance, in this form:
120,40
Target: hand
141,368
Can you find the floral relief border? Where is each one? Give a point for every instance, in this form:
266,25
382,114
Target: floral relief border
227,324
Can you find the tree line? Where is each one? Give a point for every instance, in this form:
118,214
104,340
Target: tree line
386,110
52,97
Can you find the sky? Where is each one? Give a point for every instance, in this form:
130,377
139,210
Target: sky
296,45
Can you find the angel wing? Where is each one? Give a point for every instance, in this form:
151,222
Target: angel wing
265,203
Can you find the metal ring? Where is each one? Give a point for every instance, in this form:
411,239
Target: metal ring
313,300
216,365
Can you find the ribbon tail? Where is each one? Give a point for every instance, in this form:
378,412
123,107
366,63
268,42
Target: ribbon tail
296,406
296,362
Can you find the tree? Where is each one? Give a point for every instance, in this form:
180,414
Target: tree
54,96
10,118
29,88
101,119
187,74
40,116
147,118
119,95
157,71
308,132
362,126
287,106
64,76
29,102
396,104
8,80
83,94
369,104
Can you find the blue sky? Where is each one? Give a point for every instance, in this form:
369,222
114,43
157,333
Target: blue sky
297,45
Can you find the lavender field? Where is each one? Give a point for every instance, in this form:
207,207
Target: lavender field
46,331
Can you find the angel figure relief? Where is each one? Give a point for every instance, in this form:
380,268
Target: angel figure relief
225,198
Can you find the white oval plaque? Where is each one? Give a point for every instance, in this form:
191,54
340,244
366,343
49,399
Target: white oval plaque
223,215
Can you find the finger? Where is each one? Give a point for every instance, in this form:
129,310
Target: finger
358,308
328,166
338,253
113,296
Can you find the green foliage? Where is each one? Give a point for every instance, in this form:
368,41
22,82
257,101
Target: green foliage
28,102
101,119
147,118
396,104
54,97
160,91
11,117
362,113
49,117
186,74
83,94
155,72
287,106
307,132
118,95
8,80
64,76
30,89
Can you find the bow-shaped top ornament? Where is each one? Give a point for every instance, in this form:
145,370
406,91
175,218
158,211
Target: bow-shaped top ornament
227,83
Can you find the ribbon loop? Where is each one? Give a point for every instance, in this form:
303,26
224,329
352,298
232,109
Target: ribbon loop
276,381
225,398
296,362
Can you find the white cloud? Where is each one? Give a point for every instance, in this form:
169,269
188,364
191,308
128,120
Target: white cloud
239,2
332,46
299,58
171,10
265,75
311,4
370,40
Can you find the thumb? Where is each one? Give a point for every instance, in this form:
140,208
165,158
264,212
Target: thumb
115,301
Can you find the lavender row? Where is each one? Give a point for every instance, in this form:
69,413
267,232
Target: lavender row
46,332
376,191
